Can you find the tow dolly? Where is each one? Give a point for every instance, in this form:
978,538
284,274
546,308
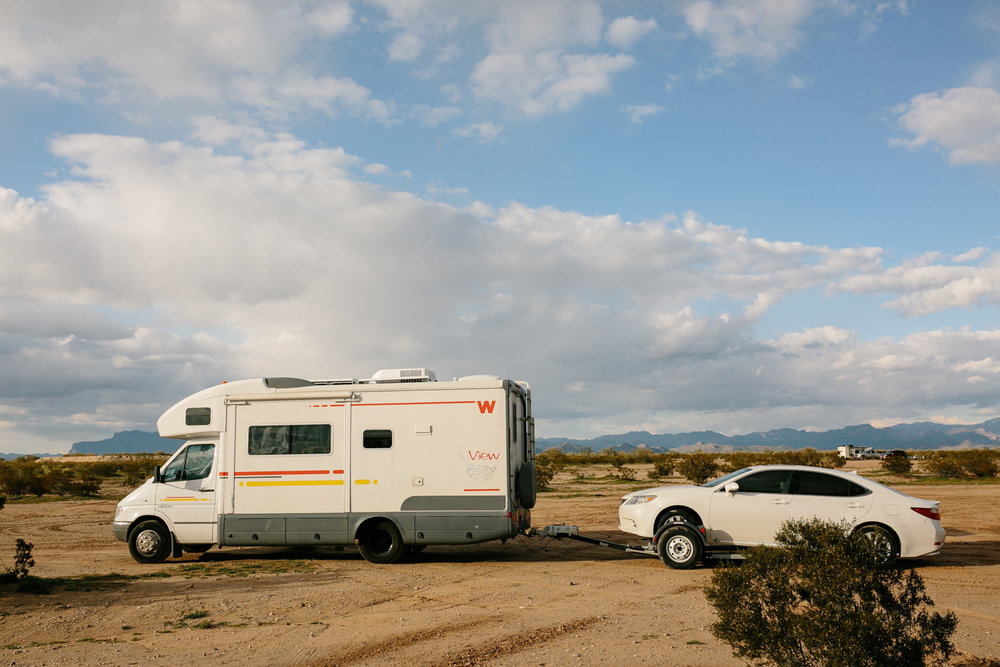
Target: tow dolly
679,543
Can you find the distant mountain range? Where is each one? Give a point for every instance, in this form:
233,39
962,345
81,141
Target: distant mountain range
920,435
127,442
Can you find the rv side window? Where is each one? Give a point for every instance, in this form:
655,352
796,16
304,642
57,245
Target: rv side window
377,439
198,416
290,439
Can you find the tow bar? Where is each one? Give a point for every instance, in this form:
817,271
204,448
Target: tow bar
679,544
573,533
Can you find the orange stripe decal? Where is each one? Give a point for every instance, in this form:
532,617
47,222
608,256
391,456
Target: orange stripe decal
480,489
249,473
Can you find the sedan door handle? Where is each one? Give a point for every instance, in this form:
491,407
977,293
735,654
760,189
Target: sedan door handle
855,505
780,501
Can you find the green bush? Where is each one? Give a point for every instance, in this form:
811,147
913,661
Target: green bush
663,466
698,467
619,469
897,465
828,598
963,463
135,471
547,464
28,476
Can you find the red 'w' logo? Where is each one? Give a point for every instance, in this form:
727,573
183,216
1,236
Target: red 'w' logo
486,406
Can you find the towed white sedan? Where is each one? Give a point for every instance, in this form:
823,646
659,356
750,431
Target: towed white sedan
746,508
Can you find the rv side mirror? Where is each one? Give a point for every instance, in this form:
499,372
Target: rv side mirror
157,475
732,488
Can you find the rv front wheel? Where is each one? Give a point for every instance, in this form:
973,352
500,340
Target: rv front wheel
382,543
149,542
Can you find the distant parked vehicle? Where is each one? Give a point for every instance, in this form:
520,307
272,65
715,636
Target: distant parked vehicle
857,453
894,453
746,508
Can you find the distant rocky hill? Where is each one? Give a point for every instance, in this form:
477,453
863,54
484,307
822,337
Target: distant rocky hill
921,435
127,442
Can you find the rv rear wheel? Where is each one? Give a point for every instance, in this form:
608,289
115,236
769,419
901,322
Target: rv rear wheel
381,543
149,542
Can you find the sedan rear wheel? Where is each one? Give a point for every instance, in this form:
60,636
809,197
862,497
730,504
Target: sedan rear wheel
885,542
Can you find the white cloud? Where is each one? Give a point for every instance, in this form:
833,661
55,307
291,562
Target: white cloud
758,29
925,285
526,26
434,116
544,82
798,82
485,132
288,264
637,113
131,54
626,31
963,122
405,47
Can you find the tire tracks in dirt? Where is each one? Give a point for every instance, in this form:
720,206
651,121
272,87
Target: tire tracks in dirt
485,655
387,647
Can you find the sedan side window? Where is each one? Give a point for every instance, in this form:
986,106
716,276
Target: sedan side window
818,484
766,481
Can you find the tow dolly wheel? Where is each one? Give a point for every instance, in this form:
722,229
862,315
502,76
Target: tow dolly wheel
679,547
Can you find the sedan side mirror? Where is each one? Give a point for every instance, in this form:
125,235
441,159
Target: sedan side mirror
732,488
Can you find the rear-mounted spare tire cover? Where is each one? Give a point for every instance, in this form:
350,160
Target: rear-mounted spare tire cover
526,483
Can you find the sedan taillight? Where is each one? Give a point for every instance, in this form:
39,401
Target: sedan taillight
928,512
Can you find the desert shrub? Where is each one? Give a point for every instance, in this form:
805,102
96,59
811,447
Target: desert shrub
698,467
136,470
833,460
619,469
543,477
897,465
22,559
22,477
28,476
963,463
663,466
826,597
734,461
547,464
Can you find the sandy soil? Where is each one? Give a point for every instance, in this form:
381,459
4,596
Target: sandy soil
529,601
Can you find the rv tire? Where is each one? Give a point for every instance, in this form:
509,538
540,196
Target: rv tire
381,543
149,542
526,485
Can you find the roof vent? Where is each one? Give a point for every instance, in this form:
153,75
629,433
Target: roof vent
404,375
286,383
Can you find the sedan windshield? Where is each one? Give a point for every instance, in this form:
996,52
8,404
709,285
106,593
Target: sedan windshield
725,478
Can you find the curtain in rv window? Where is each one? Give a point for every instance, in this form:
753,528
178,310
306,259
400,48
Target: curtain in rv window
290,439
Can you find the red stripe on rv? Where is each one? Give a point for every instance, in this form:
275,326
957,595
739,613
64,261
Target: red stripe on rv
248,473
368,405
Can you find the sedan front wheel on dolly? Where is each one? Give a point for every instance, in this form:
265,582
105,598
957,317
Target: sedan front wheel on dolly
679,547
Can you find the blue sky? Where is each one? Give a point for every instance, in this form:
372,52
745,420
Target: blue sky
732,214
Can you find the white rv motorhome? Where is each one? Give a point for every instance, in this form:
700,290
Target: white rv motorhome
392,464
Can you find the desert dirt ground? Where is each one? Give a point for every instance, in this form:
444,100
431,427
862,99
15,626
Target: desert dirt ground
526,601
